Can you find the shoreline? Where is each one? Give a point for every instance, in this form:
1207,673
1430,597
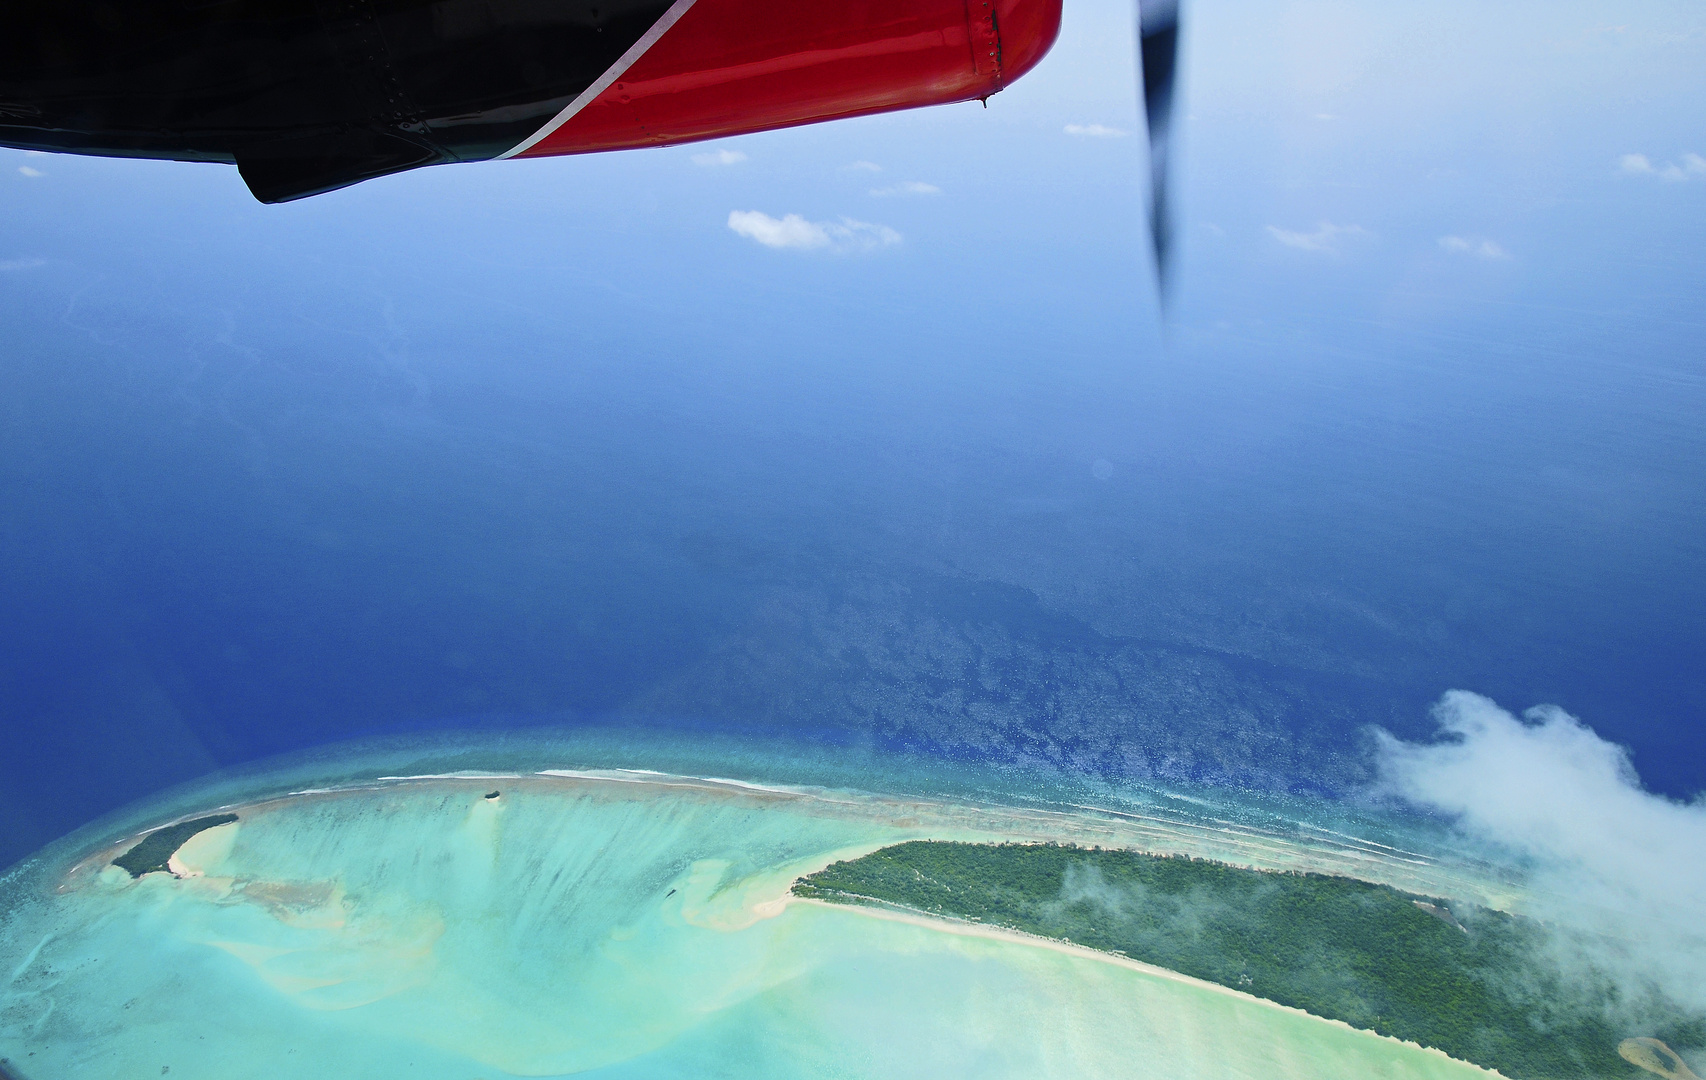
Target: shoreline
965,928
926,817
338,897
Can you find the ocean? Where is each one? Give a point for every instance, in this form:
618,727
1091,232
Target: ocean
616,923
243,522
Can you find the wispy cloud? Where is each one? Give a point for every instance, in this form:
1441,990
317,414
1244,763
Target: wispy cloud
27,171
863,166
719,157
1095,131
1692,167
1327,237
1481,249
907,187
20,264
1606,855
794,231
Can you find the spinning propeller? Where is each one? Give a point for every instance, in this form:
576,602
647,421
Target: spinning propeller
1157,58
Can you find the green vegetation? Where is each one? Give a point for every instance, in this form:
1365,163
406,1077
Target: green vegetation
160,845
1475,983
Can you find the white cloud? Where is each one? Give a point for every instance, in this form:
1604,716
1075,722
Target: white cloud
1481,249
1606,856
864,166
1692,167
719,157
794,231
1095,131
907,187
27,171
1325,238
20,264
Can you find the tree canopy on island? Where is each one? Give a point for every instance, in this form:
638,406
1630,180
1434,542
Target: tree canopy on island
1482,985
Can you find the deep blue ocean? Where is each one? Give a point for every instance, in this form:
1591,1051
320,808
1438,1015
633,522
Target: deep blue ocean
486,448
333,508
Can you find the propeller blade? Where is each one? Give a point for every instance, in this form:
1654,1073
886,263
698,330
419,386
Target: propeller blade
1158,55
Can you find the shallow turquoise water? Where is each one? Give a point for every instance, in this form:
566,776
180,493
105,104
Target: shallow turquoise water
620,925
1247,827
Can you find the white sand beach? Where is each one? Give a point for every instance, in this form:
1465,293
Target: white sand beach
621,923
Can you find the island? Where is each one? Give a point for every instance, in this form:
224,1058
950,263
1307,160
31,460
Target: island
639,923
1478,984
154,853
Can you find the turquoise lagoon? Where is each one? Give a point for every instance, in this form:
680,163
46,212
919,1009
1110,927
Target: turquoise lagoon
612,922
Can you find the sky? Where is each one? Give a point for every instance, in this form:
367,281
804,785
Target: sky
873,430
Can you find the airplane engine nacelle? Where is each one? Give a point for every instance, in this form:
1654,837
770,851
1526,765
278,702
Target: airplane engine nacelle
305,96
729,67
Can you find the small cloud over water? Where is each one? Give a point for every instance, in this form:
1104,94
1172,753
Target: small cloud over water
716,158
1691,167
1326,238
1095,131
794,231
1480,249
907,187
